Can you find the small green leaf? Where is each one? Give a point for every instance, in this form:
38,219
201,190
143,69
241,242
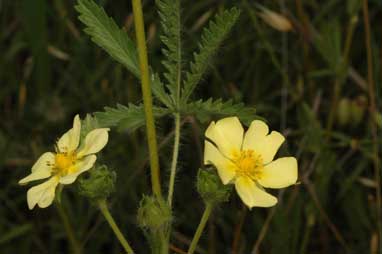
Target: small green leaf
204,110
128,117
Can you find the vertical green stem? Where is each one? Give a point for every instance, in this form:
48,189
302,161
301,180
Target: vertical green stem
75,245
106,213
373,111
174,159
342,74
147,99
199,230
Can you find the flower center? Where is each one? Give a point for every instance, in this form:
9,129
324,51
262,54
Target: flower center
64,163
248,164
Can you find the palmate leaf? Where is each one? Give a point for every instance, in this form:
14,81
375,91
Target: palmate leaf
105,33
211,38
204,110
169,13
128,117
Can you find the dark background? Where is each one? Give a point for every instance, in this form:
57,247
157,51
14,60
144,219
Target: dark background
50,71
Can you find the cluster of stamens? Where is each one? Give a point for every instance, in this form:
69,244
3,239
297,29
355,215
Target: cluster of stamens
248,164
63,162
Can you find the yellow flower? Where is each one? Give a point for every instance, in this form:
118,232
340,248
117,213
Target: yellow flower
247,160
64,166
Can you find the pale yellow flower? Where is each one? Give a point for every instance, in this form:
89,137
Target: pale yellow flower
63,167
246,160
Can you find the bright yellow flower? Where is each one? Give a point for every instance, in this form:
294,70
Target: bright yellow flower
247,160
64,166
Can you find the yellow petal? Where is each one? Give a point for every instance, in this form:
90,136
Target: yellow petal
279,173
224,166
94,142
42,194
257,139
252,195
227,134
41,169
80,167
71,139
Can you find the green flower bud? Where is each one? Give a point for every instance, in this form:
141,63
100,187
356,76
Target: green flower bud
358,108
99,185
211,188
154,214
378,119
343,112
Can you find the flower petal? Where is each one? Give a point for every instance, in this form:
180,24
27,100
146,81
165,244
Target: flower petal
71,139
279,173
224,166
227,134
94,142
41,169
42,194
80,167
252,195
256,138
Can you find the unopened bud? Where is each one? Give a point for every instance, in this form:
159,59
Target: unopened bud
343,111
358,108
99,185
154,214
276,20
211,188
378,119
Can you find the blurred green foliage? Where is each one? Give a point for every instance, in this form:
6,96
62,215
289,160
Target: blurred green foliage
50,70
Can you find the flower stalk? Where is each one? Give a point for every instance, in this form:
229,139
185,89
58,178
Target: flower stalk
147,98
75,245
106,213
199,230
174,159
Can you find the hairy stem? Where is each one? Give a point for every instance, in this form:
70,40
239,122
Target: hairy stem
199,230
75,245
174,159
147,98
106,213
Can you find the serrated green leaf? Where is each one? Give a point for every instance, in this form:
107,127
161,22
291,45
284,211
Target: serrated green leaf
211,38
204,110
105,33
128,117
169,13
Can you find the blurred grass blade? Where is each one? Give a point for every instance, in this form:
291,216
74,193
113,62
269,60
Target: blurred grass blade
35,27
15,232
